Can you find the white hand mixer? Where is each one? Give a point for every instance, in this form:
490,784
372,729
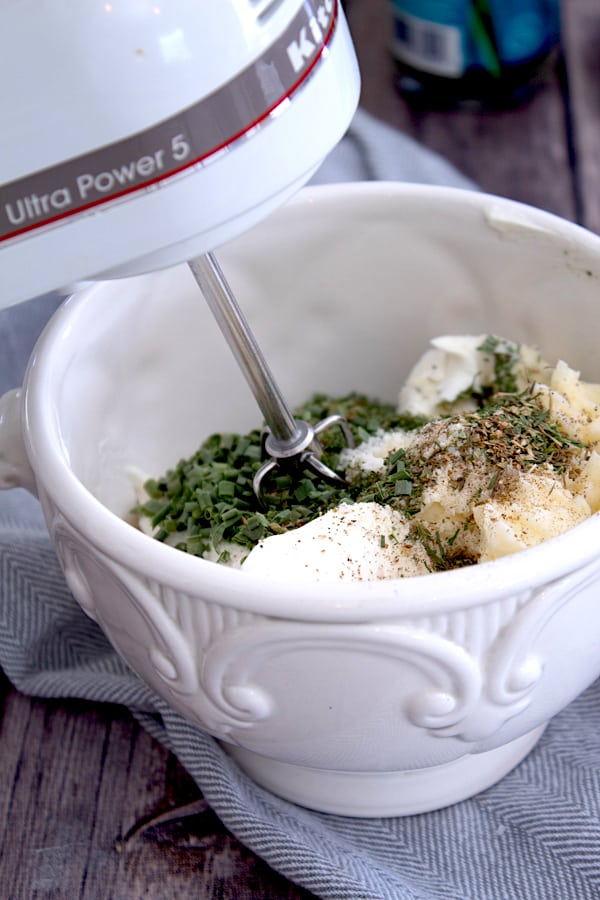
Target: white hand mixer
138,134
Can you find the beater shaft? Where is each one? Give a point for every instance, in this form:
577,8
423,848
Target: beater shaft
288,439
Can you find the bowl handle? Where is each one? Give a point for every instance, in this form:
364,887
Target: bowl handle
15,470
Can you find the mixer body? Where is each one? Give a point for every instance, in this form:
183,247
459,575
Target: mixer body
137,135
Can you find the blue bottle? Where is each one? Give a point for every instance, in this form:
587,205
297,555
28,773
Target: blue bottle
487,52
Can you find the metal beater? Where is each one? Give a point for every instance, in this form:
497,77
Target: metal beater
289,442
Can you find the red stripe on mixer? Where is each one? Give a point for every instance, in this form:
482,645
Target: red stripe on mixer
176,145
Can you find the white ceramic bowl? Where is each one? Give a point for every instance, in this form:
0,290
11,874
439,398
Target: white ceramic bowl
381,698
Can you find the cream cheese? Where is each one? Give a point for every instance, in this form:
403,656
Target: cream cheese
455,369
353,542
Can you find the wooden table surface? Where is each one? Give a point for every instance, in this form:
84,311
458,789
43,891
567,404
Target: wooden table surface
75,777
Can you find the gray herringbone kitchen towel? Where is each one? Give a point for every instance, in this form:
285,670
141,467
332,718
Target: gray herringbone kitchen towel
535,835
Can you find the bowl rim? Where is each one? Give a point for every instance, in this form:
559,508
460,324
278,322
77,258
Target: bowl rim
425,595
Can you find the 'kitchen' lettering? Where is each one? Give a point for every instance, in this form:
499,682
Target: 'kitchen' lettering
302,50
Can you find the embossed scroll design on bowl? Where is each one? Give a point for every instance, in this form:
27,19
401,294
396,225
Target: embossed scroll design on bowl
479,667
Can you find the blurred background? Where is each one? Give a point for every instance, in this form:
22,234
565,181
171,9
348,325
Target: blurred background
544,150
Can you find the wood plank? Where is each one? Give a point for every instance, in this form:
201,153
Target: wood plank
581,36
75,778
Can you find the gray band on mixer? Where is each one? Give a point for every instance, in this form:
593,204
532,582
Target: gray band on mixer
191,137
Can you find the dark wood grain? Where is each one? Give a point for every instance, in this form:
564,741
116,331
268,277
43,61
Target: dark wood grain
75,778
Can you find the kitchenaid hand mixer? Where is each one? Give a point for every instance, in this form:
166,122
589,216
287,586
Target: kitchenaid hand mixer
138,135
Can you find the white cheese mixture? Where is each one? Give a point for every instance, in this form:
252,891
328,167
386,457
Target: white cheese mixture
508,455
472,505
453,369
353,542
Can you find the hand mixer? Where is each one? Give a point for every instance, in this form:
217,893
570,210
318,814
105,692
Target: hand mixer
137,135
